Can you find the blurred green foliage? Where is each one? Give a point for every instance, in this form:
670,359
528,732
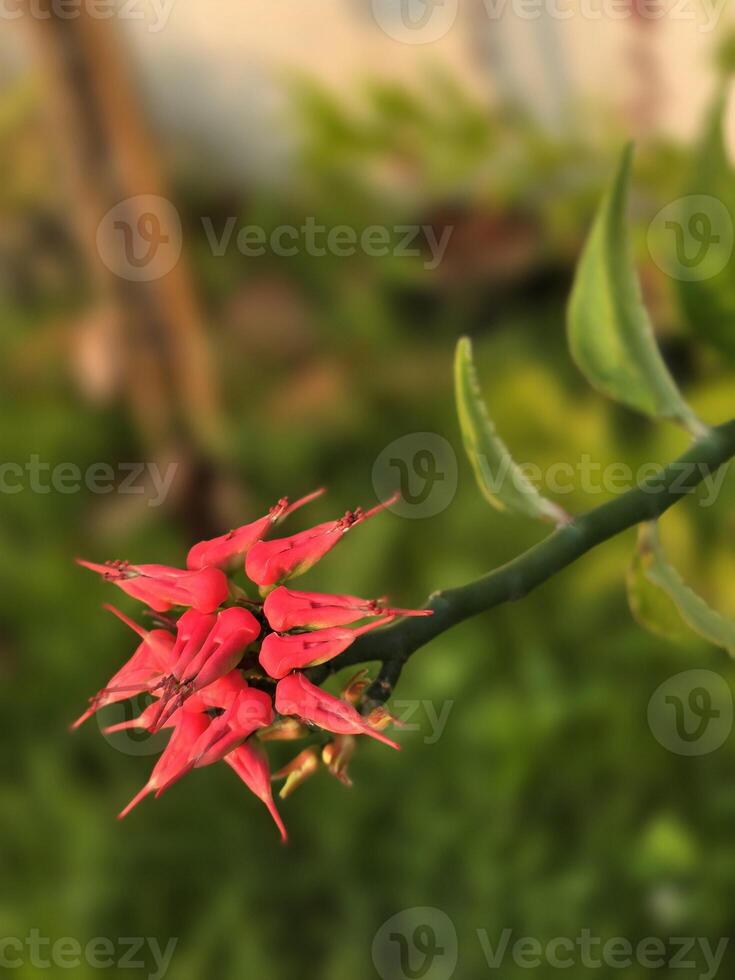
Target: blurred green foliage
546,806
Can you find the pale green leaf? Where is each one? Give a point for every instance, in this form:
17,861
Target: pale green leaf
499,478
651,606
610,333
663,603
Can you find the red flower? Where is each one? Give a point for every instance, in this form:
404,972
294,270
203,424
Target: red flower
295,695
233,630
281,654
192,630
270,562
228,549
204,672
248,711
286,609
251,766
174,762
149,663
162,587
208,648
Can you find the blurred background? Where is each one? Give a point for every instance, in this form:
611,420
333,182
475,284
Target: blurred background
545,805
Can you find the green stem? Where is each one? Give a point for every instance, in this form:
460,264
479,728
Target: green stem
651,498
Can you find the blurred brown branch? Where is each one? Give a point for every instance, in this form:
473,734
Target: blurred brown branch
108,157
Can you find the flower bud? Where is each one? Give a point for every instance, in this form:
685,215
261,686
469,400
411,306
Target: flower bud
283,730
250,710
298,770
161,587
270,562
295,695
336,756
228,550
281,654
356,686
150,662
287,609
174,761
251,765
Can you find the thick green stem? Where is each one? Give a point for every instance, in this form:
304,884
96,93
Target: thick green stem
395,644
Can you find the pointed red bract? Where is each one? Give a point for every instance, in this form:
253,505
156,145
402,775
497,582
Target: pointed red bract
162,588
228,550
251,766
287,609
192,631
250,710
271,562
148,664
144,721
211,647
281,654
233,632
174,761
295,695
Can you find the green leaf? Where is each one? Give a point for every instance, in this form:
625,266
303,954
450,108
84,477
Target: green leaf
499,478
664,604
651,606
610,333
708,297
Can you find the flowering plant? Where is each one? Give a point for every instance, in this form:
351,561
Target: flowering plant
225,671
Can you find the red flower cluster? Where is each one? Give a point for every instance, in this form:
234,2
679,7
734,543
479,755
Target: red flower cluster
227,672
